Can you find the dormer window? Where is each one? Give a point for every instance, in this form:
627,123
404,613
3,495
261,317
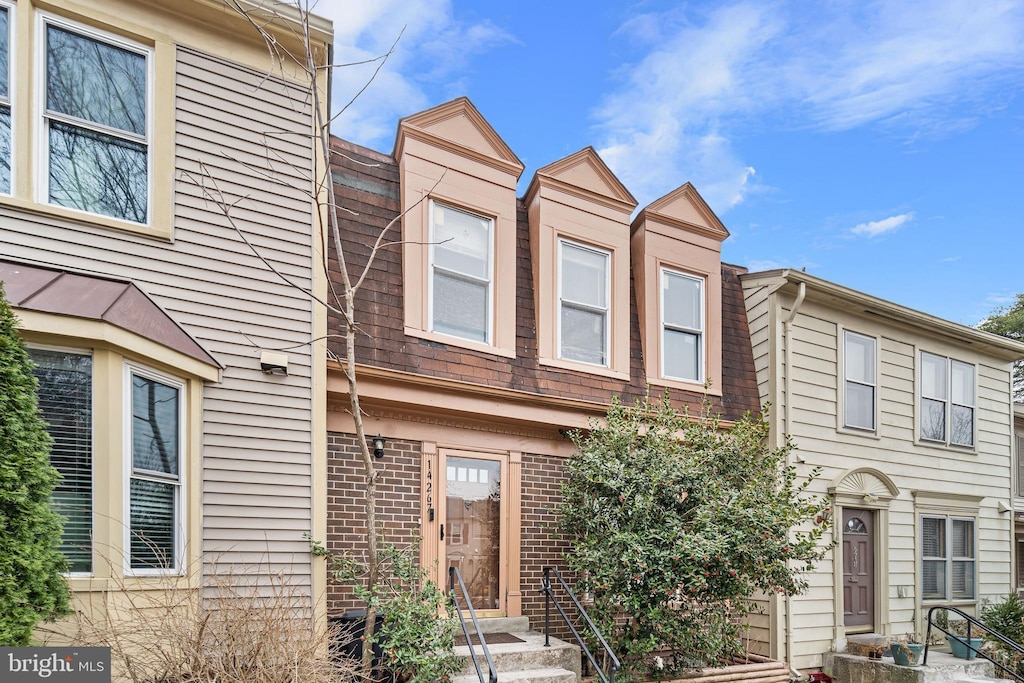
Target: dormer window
682,326
461,273
583,303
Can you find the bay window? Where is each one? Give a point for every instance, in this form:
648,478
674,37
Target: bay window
155,440
65,403
583,296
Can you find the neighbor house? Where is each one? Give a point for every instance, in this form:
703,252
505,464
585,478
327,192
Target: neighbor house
181,377
492,324
909,418
1018,496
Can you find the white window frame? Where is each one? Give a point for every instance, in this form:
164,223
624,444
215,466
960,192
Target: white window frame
874,387
606,311
664,272
92,494
11,102
180,503
42,142
948,403
489,330
1019,463
949,559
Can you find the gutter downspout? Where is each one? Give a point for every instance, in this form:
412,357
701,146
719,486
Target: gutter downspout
786,338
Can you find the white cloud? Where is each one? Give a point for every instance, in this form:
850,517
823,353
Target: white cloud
918,66
365,29
876,228
950,259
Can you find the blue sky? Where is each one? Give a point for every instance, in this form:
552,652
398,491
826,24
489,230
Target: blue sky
876,144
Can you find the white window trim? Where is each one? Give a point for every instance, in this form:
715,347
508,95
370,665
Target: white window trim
180,501
42,144
489,331
92,489
949,559
1018,443
948,401
11,103
700,333
607,351
842,398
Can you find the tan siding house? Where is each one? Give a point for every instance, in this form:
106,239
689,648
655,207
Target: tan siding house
909,419
240,449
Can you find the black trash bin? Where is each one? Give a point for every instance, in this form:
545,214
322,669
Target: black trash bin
347,641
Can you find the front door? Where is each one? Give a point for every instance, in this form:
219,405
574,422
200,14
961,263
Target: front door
858,570
473,528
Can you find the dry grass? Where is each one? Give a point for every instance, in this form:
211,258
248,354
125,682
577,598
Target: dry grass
261,632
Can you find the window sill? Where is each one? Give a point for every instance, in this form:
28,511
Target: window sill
159,229
695,387
859,433
459,342
946,448
577,366
99,584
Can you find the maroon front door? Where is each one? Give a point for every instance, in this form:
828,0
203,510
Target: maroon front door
858,569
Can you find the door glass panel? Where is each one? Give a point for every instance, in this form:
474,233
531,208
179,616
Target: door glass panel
474,527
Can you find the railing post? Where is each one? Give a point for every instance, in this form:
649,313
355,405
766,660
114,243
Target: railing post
546,583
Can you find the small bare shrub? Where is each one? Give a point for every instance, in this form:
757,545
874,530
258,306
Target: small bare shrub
240,627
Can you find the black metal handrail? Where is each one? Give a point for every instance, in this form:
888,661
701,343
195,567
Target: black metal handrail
453,575
985,630
549,598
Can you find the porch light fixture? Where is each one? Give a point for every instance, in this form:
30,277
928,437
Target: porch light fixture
378,446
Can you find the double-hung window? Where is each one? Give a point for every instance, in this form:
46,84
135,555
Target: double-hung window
95,143
461,273
947,400
583,294
6,22
154,451
682,326
947,558
65,402
859,353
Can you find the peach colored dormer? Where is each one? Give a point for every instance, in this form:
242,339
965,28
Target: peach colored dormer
579,238
676,250
458,191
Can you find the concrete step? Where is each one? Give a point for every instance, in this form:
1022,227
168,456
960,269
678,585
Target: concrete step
531,676
530,655
942,668
501,625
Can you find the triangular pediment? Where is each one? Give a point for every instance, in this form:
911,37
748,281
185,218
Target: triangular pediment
586,170
685,205
459,125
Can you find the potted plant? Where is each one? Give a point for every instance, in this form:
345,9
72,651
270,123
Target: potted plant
957,637
907,650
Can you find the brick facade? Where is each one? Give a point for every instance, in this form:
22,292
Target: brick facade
398,490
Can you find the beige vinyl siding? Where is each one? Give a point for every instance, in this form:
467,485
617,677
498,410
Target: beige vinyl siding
816,429
256,429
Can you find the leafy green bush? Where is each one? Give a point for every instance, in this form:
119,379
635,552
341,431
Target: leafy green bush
417,629
676,524
32,585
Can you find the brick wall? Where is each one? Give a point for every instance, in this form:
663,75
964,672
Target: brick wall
398,493
543,476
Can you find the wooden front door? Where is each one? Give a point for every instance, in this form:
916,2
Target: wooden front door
473,536
858,570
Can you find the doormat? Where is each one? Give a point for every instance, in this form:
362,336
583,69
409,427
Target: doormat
491,638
